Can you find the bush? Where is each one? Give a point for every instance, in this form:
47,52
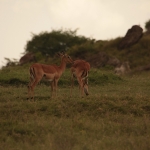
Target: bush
147,25
98,78
53,42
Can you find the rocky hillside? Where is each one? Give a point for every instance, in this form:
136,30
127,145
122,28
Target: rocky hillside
132,49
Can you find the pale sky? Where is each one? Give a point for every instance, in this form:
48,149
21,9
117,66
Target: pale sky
98,19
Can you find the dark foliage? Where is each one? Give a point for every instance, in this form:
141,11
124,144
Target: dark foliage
147,25
55,41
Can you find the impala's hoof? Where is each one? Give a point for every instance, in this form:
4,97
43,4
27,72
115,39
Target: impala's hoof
86,91
30,98
87,94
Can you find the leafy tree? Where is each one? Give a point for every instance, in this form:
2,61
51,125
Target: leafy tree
55,41
10,62
147,25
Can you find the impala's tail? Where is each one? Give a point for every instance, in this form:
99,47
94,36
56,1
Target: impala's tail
32,73
84,74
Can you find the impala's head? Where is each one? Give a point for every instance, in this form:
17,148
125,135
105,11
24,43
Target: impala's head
65,57
68,59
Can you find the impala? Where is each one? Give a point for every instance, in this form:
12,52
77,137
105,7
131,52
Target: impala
50,72
80,70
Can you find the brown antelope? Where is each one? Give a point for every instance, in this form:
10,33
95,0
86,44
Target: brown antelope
79,70
49,72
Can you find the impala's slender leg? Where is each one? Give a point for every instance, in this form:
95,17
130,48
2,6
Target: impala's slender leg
80,86
29,87
29,91
32,86
56,87
52,88
72,84
85,86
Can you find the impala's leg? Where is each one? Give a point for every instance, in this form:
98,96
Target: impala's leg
80,86
52,88
56,87
72,84
29,91
33,86
29,87
85,86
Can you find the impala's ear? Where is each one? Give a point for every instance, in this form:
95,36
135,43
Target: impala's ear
59,54
63,53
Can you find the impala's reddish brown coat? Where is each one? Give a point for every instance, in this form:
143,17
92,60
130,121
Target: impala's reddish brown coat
80,70
49,72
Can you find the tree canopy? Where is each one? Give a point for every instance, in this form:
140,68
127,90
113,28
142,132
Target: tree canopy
54,41
147,25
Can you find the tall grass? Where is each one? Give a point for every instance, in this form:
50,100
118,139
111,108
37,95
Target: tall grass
114,116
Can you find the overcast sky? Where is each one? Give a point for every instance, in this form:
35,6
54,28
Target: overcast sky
98,19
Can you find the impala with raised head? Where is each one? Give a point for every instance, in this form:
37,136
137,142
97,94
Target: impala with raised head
80,69
50,72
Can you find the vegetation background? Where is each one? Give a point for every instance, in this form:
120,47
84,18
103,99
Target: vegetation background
114,116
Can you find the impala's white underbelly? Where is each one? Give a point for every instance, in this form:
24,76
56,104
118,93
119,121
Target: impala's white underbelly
49,77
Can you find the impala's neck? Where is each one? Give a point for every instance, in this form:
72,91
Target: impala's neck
62,65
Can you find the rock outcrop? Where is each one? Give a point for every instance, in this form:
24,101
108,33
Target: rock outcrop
123,68
29,57
132,36
101,59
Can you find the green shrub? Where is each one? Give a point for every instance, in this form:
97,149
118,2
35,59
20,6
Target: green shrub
97,77
147,25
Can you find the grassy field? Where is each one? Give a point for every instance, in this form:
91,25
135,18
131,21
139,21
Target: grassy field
115,116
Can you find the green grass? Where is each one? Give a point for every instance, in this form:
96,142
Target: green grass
114,116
